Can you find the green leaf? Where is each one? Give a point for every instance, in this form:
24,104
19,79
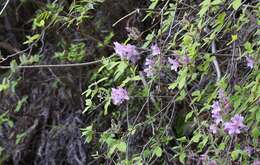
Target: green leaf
222,146
233,39
255,132
204,7
88,104
107,104
217,2
20,103
88,133
235,154
182,157
20,137
31,39
173,85
196,138
13,66
258,115
120,69
182,78
121,146
182,139
157,151
203,143
188,116
236,4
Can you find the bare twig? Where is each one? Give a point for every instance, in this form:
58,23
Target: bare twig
215,62
145,84
6,3
133,12
54,65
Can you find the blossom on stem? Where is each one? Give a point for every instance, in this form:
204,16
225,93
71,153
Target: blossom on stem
155,49
249,150
128,52
256,162
216,112
149,67
235,125
212,162
250,62
185,60
119,95
224,100
213,128
174,64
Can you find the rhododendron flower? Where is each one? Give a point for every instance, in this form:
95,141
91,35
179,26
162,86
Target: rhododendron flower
155,49
250,62
213,128
128,52
174,64
119,95
216,112
256,162
235,125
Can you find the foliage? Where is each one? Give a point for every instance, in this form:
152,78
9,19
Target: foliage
188,73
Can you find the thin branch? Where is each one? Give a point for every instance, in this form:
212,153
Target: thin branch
4,7
121,19
215,62
54,65
214,51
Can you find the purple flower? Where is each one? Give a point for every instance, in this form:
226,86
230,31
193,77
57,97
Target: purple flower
256,162
174,64
149,67
213,128
212,162
185,60
155,49
249,150
119,95
250,62
203,157
235,125
216,112
149,62
224,100
128,52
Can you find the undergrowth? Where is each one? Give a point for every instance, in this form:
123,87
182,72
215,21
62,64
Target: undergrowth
182,86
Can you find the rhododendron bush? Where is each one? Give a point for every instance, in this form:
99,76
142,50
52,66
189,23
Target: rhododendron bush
170,82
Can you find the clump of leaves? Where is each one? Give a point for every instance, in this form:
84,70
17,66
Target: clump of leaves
75,53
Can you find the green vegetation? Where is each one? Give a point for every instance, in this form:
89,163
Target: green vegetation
130,82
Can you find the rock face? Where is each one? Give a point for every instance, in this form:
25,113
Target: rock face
48,123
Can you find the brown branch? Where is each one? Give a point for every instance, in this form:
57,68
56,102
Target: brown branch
54,65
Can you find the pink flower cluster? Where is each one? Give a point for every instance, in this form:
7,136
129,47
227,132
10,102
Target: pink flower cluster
174,64
155,50
256,162
119,95
178,61
128,52
250,62
235,125
221,107
149,67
